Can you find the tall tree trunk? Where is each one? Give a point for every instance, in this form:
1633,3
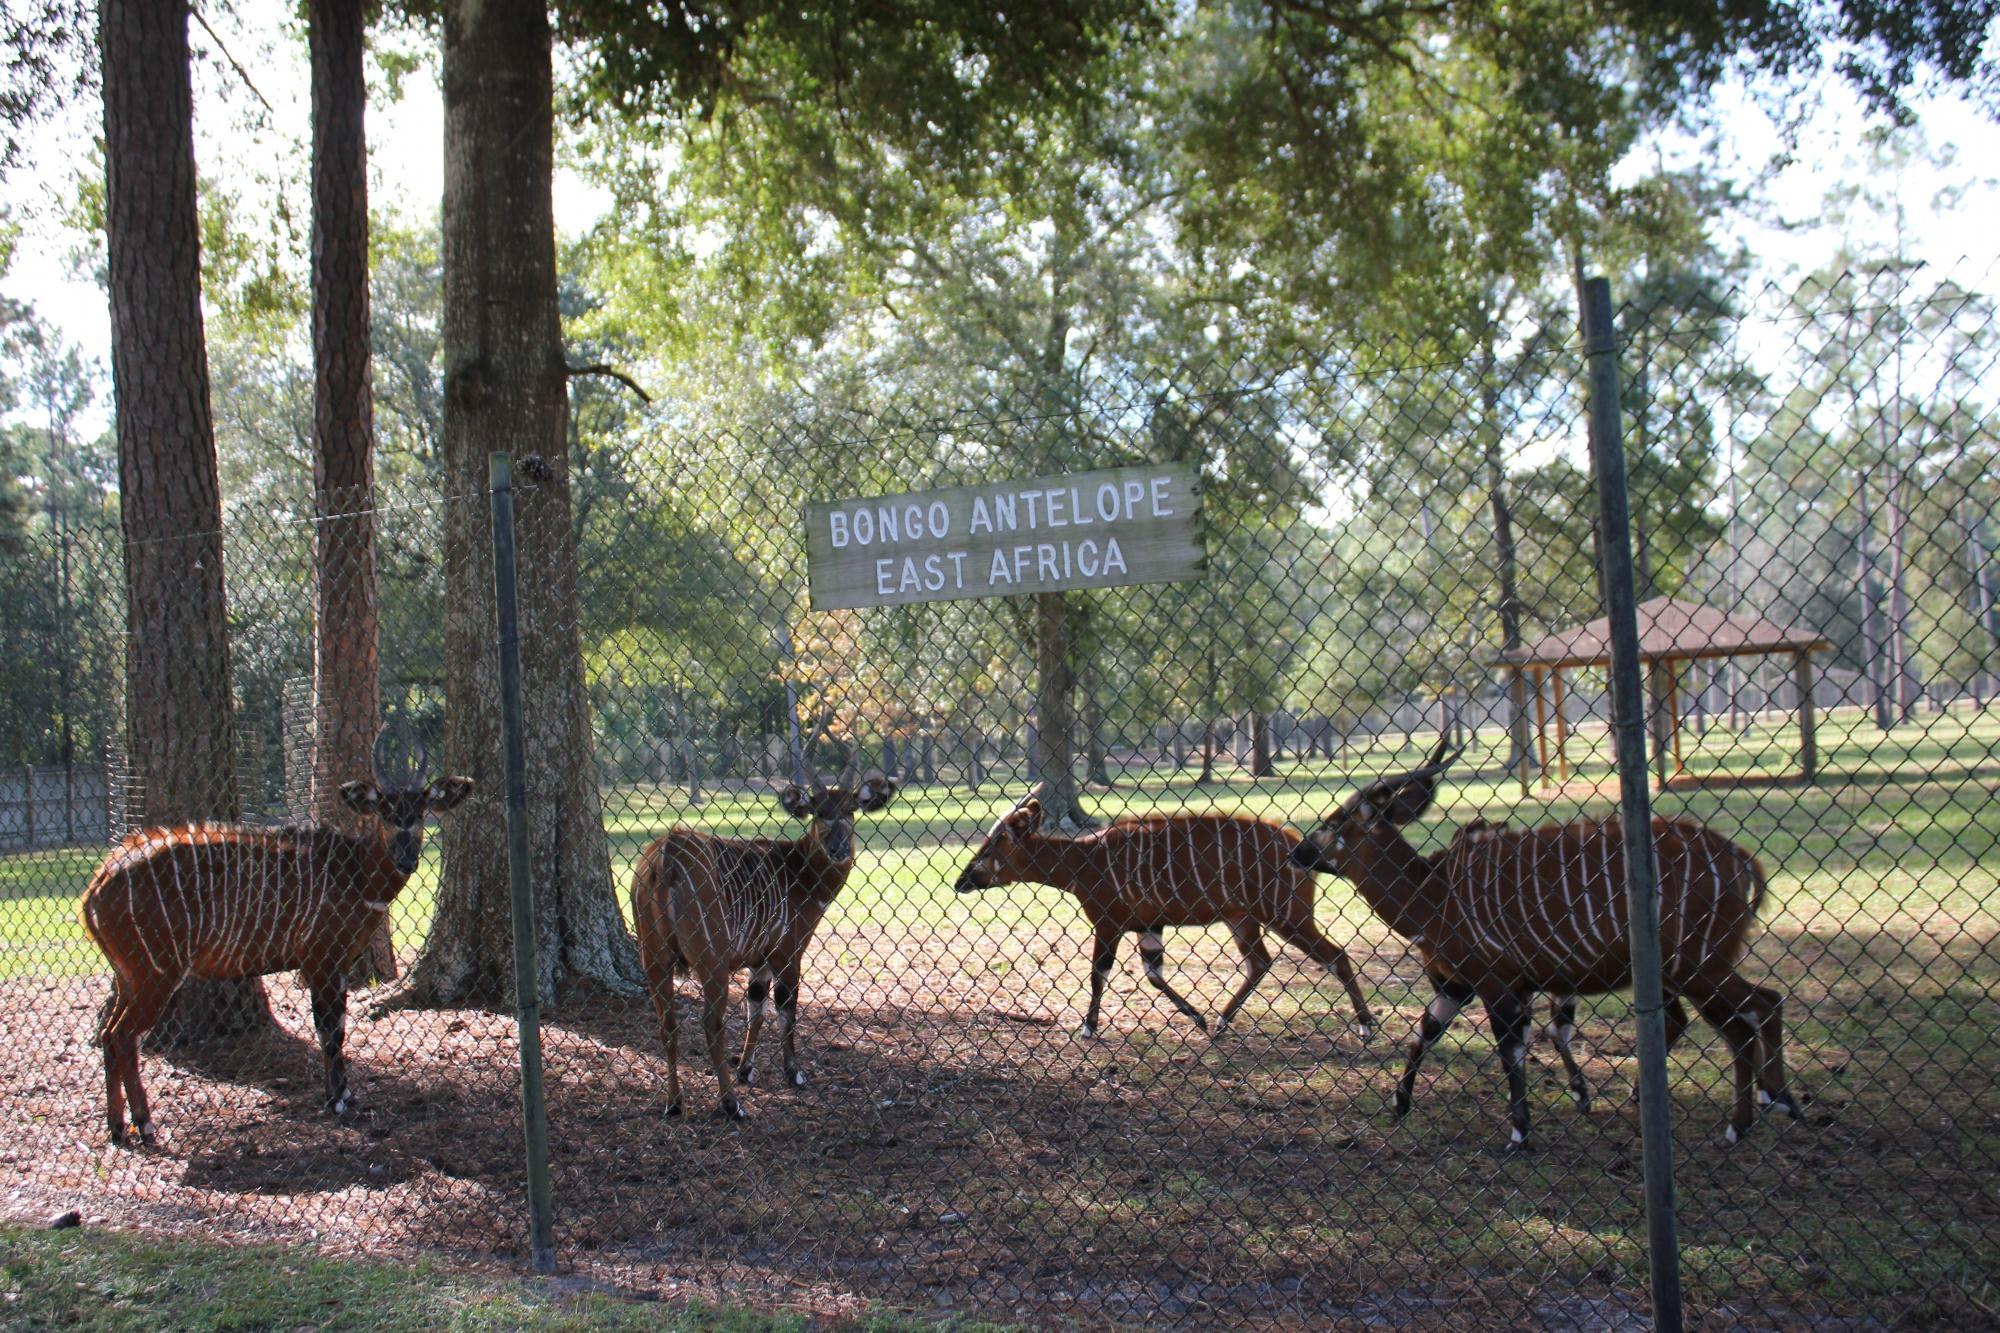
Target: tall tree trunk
178,695
1096,762
1871,643
506,389
1902,662
1053,761
1507,561
1261,765
347,701
1057,624
1982,593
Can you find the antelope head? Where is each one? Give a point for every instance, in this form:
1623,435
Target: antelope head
400,796
831,810
997,861
1346,841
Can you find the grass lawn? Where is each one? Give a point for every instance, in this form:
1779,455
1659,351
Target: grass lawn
91,1280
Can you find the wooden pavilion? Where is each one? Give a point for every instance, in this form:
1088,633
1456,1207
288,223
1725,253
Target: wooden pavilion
1672,633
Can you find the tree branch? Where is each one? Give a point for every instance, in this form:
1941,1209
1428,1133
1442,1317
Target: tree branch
610,372
234,64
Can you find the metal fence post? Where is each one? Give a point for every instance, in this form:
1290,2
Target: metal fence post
1628,714
527,1001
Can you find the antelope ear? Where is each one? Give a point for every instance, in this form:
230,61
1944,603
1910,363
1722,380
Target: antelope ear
875,793
796,800
1028,819
443,794
361,796
1409,801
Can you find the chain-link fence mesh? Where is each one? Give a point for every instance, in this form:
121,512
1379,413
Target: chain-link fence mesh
1400,563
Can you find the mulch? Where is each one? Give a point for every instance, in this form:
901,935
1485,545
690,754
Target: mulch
957,1149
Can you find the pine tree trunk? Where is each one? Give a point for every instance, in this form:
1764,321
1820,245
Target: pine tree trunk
1261,765
1508,562
1096,762
178,694
347,702
1871,642
1053,761
506,389
1902,662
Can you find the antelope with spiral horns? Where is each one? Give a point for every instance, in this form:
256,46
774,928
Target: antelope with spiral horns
711,905
1145,873
225,901
1501,914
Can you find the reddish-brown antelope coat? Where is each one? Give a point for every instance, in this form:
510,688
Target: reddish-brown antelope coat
1504,913
711,905
220,902
1146,873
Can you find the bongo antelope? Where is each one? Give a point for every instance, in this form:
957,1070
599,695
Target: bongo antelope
1502,914
226,901
711,905
1561,1029
1146,873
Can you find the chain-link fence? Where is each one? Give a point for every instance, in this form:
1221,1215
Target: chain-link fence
1239,797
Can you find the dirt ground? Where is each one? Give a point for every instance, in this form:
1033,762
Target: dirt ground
960,1150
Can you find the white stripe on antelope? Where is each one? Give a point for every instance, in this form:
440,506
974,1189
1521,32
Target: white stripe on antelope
221,902
1145,873
1709,891
710,906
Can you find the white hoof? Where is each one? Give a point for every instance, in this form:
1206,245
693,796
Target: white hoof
1088,1030
798,1078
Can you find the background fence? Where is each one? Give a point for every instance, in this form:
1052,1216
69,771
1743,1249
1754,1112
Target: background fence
1380,526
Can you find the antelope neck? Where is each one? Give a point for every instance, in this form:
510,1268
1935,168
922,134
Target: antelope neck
1393,881
1062,863
813,852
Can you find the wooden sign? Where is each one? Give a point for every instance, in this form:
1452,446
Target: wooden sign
1006,539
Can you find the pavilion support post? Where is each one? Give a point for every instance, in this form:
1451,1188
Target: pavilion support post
1674,672
1541,728
1802,671
1562,730
1518,726
1656,694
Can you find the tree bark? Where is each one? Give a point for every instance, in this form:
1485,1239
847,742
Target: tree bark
178,694
506,389
1261,765
1871,647
1508,570
1053,759
1982,594
347,703
1902,662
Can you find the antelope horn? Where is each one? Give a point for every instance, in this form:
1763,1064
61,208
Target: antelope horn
398,758
1438,763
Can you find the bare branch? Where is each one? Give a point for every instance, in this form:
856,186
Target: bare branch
234,64
612,373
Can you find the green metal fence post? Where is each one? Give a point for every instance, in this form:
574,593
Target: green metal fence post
1628,714
527,1002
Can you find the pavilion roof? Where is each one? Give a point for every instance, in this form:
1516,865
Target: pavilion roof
1669,630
